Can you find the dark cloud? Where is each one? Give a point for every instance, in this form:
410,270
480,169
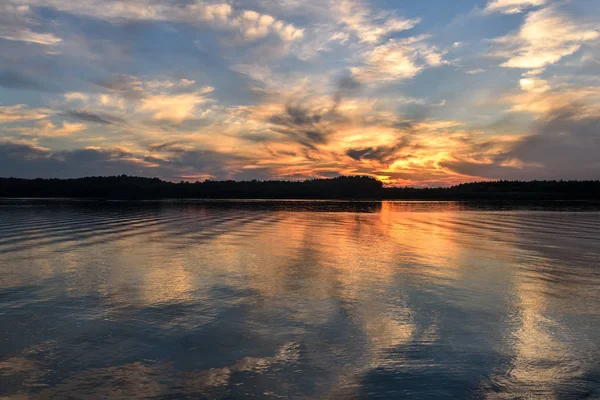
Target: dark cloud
95,117
127,86
295,116
316,136
328,174
154,160
10,150
256,137
565,145
359,154
28,161
278,153
301,126
346,86
180,159
488,170
253,173
404,124
205,161
382,154
164,146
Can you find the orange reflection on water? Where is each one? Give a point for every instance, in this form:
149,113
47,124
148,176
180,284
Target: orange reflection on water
411,290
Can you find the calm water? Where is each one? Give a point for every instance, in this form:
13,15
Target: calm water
306,300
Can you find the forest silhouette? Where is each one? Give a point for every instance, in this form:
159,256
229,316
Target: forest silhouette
343,187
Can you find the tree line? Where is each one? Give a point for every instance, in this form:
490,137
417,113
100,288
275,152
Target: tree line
343,187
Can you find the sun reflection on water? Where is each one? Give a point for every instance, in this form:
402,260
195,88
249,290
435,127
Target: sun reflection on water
392,299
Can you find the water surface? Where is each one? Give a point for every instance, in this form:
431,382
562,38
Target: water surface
306,300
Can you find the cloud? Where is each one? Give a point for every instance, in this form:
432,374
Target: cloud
255,26
301,139
94,117
169,84
539,98
76,96
49,129
26,35
474,71
534,85
22,159
46,129
28,160
398,59
139,98
545,37
249,24
268,82
21,112
346,86
565,145
512,6
301,126
370,27
15,22
382,154
175,108
194,163
247,113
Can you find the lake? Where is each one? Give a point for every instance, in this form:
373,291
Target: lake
299,299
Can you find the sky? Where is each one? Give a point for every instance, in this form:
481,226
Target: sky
415,93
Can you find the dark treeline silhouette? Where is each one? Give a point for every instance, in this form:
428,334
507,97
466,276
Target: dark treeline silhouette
344,187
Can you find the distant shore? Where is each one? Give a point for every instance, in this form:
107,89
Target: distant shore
341,188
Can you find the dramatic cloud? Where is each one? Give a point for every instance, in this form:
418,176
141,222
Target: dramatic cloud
564,145
382,154
198,89
301,126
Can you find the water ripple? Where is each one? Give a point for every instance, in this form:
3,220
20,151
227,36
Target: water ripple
298,299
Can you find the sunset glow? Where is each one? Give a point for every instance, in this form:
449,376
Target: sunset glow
411,93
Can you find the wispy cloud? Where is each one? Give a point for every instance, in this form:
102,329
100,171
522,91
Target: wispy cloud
21,112
512,6
369,26
48,129
135,99
26,35
251,25
176,108
546,36
398,59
